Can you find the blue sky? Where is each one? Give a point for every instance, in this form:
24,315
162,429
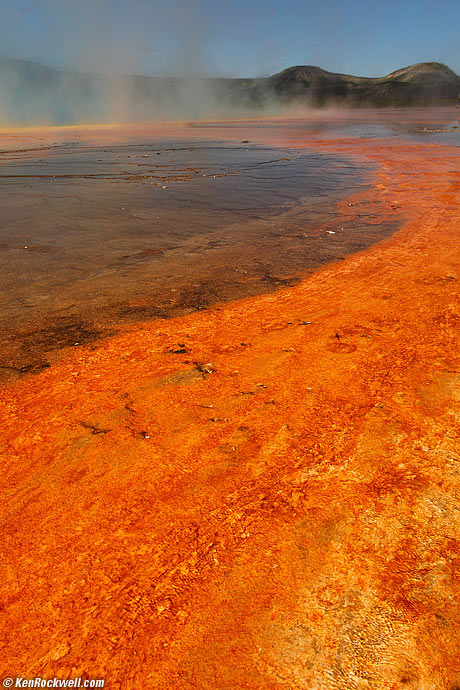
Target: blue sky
232,38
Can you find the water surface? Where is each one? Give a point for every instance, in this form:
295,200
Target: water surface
94,236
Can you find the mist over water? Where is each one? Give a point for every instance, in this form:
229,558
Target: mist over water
86,71
92,61
33,94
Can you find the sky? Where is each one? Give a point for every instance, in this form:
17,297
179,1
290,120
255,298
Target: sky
244,38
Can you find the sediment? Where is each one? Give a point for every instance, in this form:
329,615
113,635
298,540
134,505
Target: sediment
261,495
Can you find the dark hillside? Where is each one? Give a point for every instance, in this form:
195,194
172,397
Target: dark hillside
33,93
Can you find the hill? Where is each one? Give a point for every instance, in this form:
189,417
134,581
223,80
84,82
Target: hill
423,83
31,92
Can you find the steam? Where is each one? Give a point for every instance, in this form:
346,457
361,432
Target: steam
102,68
94,61
34,94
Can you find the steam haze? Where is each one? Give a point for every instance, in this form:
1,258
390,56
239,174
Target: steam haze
90,48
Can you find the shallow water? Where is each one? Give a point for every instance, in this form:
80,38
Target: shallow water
95,236
441,125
